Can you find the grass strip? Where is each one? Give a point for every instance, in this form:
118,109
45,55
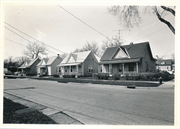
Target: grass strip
34,117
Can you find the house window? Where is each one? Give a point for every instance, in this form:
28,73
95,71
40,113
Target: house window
101,68
59,69
131,67
90,68
120,67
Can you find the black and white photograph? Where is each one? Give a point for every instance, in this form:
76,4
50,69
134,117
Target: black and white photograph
89,63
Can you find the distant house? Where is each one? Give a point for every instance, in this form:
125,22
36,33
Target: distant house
133,58
29,66
165,65
80,64
47,66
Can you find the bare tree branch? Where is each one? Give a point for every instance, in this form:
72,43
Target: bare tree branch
33,50
168,9
164,21
129,16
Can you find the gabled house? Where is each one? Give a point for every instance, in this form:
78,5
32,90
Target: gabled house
133,58
29,66
165,65
47,66
79,64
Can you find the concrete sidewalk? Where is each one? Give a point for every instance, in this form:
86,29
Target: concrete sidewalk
58,116
165,85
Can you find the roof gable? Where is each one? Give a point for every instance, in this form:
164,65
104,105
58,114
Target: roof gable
71,60
132,51
77,57
121,53
109,52
43,62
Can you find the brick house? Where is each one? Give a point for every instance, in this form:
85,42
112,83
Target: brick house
80,64
133,58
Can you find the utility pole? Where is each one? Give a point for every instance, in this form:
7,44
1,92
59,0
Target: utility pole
120,36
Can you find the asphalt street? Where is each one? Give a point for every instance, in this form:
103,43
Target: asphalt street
99,104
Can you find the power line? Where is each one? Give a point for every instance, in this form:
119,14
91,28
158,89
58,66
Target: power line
33,38
15,42
32,42
166,52
152,33
82,21
23,38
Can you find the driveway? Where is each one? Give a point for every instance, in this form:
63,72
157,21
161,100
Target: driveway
99,104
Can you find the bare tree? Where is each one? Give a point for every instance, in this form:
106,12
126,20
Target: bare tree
34,50
130,16
89,46
113,42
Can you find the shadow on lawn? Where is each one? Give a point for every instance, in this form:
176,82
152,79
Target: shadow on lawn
33,117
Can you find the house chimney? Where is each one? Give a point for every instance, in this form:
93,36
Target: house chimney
58,56
131,43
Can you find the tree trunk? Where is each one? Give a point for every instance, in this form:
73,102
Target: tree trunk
164,21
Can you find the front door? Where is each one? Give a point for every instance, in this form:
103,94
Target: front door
120,68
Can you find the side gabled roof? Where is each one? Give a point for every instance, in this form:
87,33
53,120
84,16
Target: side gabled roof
28,63
164,62
51,60
76,57
133,50
48,61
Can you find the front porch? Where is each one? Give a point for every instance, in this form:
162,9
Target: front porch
70,69
24,70
121,68
42,70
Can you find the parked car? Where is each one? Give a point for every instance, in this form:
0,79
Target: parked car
171,72
7,72
16,73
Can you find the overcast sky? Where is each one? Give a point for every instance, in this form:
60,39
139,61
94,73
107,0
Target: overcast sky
54,26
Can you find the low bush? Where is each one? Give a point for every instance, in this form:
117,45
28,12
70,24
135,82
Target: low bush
55,75
117,76
30,74
68,76
95,75
104,76
149,76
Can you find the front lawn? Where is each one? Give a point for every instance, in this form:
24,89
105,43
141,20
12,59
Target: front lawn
110,82
33,117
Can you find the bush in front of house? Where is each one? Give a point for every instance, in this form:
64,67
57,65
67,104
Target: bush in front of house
55,75
68,76
117,76
104,76
95,75
164,75
148,76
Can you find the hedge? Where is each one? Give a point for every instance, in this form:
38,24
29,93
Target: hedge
69,76
150,76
